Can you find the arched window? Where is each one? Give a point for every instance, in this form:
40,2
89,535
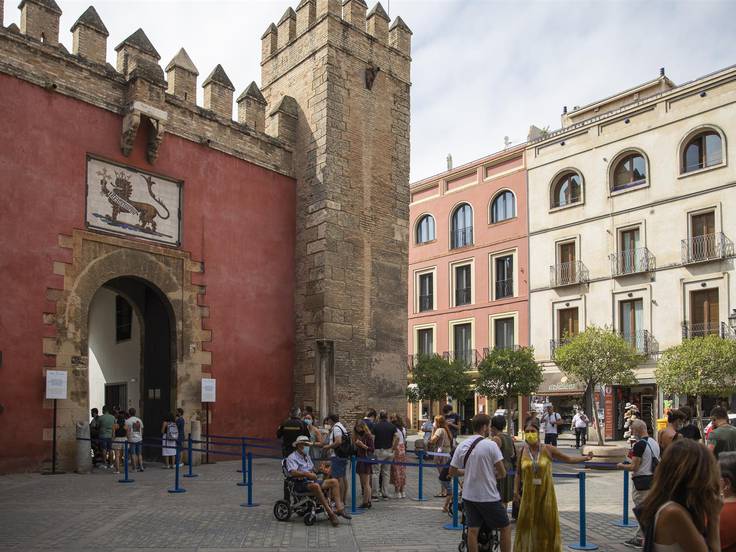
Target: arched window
705,149
567,190
503,207
462,226
425,229
630,170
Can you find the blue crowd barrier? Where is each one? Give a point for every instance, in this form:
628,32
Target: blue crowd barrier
455,525
625,522
126,479
249,486
190,461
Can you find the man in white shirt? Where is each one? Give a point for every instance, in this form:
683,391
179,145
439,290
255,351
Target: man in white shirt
580,423
550,421
135,439
480,462
338,465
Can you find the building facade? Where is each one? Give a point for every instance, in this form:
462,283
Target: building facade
630,228
468,258
149,242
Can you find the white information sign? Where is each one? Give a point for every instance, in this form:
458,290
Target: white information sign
209,390
56,384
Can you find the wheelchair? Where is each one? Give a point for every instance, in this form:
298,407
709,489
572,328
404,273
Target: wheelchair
304,504
489,540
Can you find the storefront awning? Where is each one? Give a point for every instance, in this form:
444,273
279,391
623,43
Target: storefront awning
557,383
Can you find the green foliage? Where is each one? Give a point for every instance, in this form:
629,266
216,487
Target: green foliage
508,372
434,378
699,366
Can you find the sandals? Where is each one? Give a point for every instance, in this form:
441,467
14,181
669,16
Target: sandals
365,505
334,521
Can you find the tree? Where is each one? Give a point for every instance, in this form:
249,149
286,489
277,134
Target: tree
506,373
434,378
598,356
699,366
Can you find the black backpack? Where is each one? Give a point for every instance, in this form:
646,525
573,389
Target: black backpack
346,448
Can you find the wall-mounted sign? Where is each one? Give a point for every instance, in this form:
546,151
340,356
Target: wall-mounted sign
128,201
56,384
209,390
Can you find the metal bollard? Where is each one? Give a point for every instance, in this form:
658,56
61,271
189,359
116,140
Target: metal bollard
190,461
420,495
353,487
249,486
625,517
582,545
177,488
125,479
243,468
455,525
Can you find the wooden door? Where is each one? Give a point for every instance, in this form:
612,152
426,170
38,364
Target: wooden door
567,323
703,239
566,270
629,245
704,312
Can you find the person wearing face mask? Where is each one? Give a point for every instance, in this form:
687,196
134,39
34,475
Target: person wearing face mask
363,440
675,421
538,524
315,435
727,464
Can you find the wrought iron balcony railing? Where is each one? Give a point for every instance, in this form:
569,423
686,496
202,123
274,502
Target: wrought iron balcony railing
487,350
632,261
555,344
702,329
565,274
426,303
461,237
469,357
641,341
504,288
462,296
708,247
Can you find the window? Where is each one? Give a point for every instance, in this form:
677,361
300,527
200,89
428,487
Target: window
503,207
504,277
503,333
462,342
462,226
631,323
701,151
566,268
463,286
567,323
426,291
630,171
425,229
703,312
629,261
425,341
703,240
123,319
567,190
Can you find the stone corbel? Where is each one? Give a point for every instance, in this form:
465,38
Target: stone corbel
155,137
131,122
157,128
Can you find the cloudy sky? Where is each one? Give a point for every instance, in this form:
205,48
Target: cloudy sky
482,69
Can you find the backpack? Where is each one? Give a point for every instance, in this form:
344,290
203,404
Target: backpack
346,448
172,432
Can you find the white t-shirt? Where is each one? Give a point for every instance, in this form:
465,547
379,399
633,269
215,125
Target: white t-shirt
402,436
479,483
579,421
335,433
134,436
547,420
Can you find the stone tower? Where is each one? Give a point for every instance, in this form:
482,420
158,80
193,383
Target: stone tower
349,73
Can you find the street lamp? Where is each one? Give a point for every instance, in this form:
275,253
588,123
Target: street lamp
732,319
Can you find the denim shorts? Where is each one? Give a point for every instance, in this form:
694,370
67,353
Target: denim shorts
338,466
106,443
135,447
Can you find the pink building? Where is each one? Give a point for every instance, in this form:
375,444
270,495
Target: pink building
468,259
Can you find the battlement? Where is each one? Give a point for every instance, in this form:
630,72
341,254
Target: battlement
137,86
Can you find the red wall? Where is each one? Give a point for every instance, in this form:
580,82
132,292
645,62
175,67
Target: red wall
237,217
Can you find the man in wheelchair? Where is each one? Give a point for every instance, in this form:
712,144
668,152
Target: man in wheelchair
300,467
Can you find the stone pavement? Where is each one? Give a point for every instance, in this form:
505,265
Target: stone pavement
93,513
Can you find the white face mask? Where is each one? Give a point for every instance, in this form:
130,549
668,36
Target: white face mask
306,451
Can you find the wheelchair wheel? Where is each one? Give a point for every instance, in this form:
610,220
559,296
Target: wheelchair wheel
310,518
281,510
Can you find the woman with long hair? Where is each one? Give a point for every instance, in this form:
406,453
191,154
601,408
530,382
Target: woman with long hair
727,463
398,471
681,512
363,440
538,524
441,441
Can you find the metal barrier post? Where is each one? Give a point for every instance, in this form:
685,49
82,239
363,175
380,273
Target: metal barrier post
625,517
125,479
189,457
243,467
582,545
455,525
420,495
177,488
353,487
249,486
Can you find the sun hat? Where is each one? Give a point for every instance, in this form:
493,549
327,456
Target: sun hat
302,440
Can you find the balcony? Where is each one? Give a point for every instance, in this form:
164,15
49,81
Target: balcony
487,350
566,274
471,358
555,344
709,247
632,261
426,303
461,237
462,296
641,341
702,329
504,288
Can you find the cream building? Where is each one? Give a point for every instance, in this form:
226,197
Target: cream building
631,225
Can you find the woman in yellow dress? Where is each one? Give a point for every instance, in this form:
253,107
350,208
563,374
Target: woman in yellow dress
538,524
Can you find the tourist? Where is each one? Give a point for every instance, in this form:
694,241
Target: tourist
580,422
315,436
441,443
689,429
120,437
427,428
538,524
727,463
384,441
723,436
370,419
550,424
364,447
644,459
290,429
169,438
94,437
682,510
338,464
453,421
106,423
480,461
398,470
675,419
181,428
135,439
506,444
300,466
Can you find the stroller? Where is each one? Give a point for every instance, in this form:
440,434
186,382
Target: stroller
303,504
489,540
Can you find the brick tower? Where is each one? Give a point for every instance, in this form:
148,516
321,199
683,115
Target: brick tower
349,73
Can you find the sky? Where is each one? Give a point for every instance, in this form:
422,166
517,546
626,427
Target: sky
481,70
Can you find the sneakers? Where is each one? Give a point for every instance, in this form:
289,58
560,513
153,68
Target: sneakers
634,543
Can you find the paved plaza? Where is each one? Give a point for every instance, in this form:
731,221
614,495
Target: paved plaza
91,513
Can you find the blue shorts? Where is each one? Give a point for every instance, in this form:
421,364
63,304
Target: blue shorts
135,448
338,466
106,443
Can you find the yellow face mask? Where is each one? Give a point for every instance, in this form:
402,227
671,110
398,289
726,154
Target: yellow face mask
531,437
